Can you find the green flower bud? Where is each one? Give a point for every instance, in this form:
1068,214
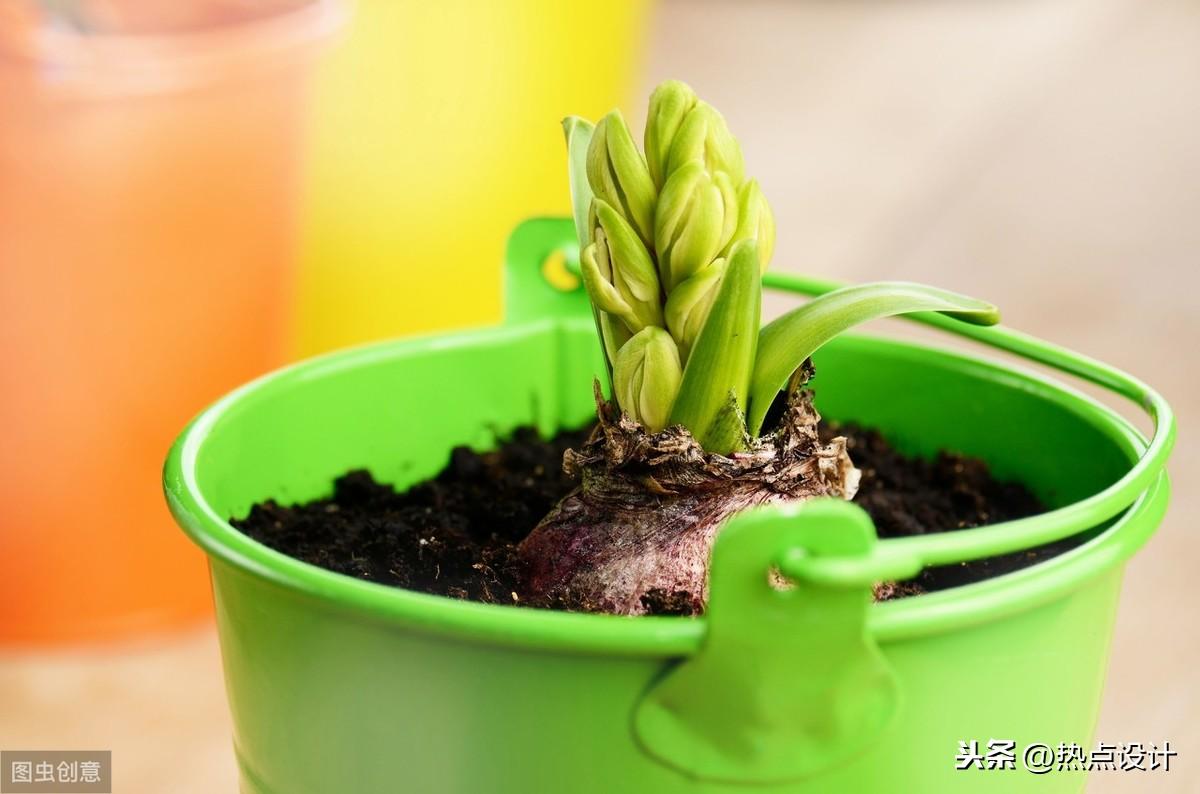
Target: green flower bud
703,135
755,222
669,104
696,217
729,197
596,268
689,303
646,377
620,253
617,173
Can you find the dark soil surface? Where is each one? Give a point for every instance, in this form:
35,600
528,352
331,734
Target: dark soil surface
456,535
912,496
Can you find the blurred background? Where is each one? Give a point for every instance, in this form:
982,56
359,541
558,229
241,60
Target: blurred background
192,193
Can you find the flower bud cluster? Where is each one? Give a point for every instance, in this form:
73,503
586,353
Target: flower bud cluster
662,226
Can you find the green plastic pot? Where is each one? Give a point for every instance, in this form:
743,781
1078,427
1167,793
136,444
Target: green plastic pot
340,685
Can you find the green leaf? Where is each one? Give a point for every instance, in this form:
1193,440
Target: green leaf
613,333
578,132
727,431
722,359
784,344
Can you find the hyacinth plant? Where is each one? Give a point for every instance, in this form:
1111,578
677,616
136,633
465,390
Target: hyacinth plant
674,241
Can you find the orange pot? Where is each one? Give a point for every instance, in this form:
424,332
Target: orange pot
147,185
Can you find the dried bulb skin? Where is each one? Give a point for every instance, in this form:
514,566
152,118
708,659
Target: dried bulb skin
649,508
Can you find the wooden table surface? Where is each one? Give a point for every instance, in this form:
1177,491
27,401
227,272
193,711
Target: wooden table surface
1042,155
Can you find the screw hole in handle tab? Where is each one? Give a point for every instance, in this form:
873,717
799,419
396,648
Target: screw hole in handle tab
539,281
558,274
789,681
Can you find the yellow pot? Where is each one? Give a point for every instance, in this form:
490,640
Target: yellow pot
435,131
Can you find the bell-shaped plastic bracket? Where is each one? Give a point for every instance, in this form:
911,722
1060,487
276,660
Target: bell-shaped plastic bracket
789,681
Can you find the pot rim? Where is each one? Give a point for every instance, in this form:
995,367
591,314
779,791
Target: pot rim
525,627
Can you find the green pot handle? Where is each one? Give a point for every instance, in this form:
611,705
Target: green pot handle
946,548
